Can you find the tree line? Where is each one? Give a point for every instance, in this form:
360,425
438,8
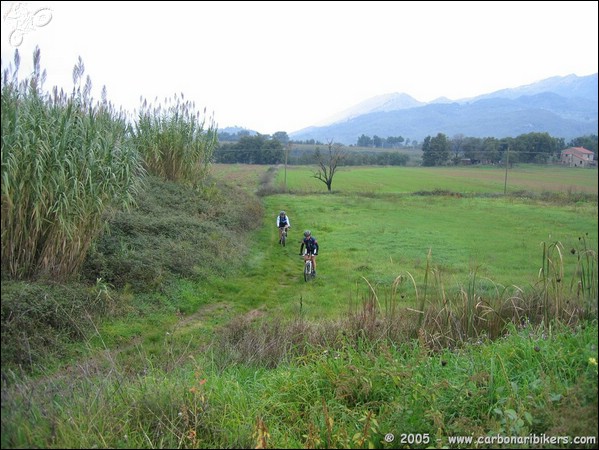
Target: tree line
439,150
363,140
264,149
538,148
388,142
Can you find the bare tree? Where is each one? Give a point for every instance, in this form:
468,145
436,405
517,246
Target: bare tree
327,164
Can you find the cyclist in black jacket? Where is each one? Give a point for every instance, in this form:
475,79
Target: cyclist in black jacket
311,245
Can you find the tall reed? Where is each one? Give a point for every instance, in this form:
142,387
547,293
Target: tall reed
176,142
423,300
66,162
551,276
586,280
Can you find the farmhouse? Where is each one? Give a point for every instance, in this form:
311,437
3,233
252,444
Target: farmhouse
578,157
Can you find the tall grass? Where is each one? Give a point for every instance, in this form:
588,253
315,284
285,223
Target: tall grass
65,163
552,275
530,382
477,311
176,142
586,283
563,301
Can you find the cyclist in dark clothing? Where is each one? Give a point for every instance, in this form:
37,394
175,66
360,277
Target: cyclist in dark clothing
311,245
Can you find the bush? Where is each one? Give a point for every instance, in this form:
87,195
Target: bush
39,320
176,231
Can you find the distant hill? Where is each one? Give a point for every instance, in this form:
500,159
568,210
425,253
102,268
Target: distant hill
233,134
238,130
380,103
565,107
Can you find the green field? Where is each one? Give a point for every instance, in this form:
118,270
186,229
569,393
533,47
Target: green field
488,180
372,230
249,355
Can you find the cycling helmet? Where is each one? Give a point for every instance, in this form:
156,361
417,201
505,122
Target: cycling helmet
282,213
307,233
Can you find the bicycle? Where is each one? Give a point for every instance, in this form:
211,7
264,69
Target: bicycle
308,268
283,239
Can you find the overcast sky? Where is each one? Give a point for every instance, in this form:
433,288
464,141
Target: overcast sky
283,66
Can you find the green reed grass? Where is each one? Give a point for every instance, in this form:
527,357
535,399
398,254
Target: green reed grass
552,275
562,300
586,284
176,141
65,163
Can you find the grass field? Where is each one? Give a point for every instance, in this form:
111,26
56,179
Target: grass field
254,357
487,180
466,180
372,230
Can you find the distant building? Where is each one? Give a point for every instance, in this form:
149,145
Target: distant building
578,157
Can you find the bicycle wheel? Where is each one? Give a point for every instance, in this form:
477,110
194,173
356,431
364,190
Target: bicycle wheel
307,270
283,238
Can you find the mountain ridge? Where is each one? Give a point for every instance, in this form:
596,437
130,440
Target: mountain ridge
561,106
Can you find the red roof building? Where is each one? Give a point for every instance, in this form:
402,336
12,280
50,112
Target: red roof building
578,157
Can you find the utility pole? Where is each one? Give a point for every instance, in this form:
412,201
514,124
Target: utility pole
507,161
286,156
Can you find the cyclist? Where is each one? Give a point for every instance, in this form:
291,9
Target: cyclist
283,223
311,245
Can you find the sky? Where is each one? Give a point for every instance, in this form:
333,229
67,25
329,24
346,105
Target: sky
284,66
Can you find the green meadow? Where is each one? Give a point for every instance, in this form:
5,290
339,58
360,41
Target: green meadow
465,179
442,308
373,228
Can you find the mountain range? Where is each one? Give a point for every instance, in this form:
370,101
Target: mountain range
564,107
